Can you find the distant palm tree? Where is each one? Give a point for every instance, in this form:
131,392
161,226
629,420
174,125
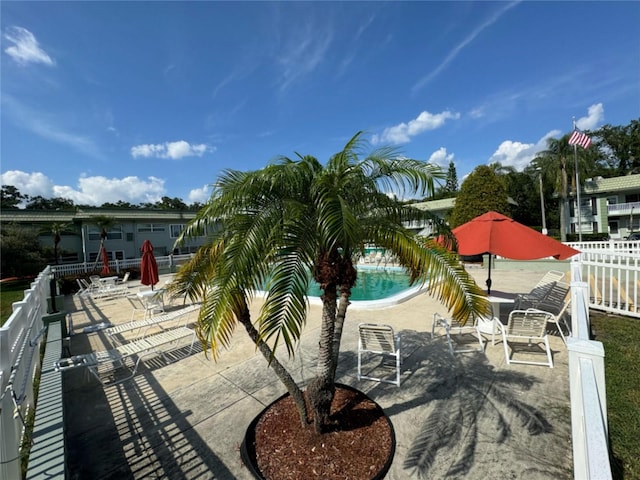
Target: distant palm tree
553,165
295,218
557,165
104,223
57,229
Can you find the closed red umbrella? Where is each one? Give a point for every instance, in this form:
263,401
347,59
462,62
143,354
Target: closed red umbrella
105,260
148,266
497,234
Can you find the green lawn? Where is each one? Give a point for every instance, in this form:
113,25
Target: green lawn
621,339
11,292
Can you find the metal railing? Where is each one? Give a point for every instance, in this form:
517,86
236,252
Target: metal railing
20,340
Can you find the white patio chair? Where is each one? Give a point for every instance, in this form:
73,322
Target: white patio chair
378,339
147,306
452,326
526,328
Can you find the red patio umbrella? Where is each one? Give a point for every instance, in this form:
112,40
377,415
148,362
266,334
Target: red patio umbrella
148,265
105,261
496,234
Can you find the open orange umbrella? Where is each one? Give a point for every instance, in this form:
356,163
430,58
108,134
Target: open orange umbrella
497,234
148,266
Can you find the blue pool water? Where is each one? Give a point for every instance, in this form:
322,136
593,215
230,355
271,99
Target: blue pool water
373,284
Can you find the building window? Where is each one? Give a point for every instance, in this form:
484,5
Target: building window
176,229
112,255
612,200
115,233
613,226
151,227
594,206
594,227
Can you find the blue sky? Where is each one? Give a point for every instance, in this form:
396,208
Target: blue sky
132,101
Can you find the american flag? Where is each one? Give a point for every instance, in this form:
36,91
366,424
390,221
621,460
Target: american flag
579,138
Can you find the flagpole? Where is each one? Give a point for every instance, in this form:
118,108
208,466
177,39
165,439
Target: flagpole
579,209
575,155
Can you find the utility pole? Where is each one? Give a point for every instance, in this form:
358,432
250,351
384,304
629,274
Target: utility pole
544,221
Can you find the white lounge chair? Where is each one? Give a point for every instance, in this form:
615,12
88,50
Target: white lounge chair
543,286
453,326
115,358
379,339
526,328
142,326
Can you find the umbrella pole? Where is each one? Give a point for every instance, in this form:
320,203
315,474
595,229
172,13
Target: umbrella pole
489,278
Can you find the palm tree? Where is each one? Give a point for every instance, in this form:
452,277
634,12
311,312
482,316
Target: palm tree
104,223
56,229
297,218
553,165
557,165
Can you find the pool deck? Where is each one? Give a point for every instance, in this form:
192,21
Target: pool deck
469,415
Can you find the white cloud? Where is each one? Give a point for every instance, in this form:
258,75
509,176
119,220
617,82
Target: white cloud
25,48
173,150
517,154
441,158
90,190
200,195
595,115
32,184
403,132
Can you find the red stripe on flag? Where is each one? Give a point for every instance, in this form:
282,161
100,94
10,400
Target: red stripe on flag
579,138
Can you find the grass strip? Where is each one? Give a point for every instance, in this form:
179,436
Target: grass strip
621,339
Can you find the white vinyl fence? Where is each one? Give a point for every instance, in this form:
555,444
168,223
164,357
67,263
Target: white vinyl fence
612,271
20,340
587,389
168,262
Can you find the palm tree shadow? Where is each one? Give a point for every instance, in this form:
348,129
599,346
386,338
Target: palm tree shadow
461,391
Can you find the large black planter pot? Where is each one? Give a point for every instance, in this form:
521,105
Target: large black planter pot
248,451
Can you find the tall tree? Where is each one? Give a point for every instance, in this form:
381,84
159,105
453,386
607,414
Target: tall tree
58,203
11,198
620,147
482,191
297,217
451,185
22,254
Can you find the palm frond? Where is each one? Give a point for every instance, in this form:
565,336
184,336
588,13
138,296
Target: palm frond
284,312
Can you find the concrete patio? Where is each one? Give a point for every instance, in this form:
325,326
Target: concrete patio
480,417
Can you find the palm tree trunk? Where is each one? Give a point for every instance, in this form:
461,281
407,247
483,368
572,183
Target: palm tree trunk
564,210
321,389
245,319
337,334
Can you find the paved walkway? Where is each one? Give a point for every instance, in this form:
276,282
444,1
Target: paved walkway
465,416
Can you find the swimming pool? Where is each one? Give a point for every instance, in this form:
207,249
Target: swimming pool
376,287
373,284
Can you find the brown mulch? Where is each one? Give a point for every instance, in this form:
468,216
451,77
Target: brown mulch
357,447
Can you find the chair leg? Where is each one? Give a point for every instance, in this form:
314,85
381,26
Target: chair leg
546,342
506,349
